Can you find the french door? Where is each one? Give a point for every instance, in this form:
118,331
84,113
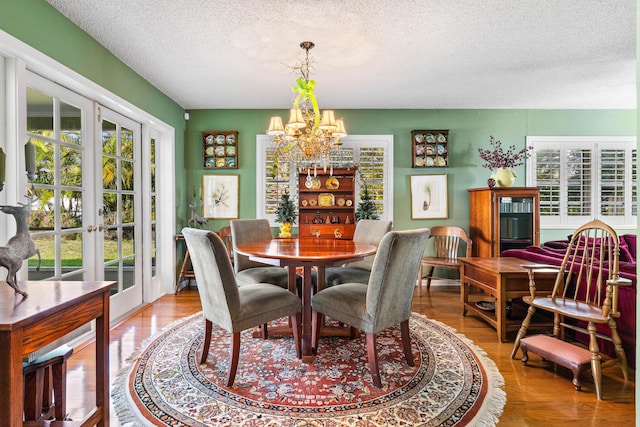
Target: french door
86,209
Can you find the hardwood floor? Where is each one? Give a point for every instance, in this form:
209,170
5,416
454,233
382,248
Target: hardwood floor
536,396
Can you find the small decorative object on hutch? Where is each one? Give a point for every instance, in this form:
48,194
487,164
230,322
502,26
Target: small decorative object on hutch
326,202
286,215
500,161
430,148
220,149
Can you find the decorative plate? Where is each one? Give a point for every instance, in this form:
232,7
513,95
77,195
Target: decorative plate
315,183
431,138
209,151
332,183
340,201
304,203
419,161
313,202
419,138
349,202
430,161
220,151
220,139
441,150
419,149
430,150
231,162
209,139
231,139
231,150
441,161
326,199
209,163
441,138
220,163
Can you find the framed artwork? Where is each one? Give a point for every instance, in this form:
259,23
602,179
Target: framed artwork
429,196
220,196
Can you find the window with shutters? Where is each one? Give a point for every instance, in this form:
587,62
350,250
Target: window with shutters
372,153
582,178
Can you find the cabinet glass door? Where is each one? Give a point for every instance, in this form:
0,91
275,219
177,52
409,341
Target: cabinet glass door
516,222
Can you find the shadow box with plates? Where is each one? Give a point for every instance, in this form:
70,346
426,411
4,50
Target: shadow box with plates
220,149
430,148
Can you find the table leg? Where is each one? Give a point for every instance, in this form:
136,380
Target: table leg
102,362
307,350
11,384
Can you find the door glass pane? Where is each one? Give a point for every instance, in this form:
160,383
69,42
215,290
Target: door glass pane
126,175
128,243
109,137
70,124
71,209
45,162
39,112
127,208
110,208
71,245
127,143
110,245
46,246
70,167
109,173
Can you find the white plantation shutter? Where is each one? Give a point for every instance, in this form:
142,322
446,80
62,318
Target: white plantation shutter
582,178
372,153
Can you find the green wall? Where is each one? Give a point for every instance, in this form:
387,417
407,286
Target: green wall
468,130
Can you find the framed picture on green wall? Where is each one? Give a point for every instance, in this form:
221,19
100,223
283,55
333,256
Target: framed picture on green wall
220,196
429,196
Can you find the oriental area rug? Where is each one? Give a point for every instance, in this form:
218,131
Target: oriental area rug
453,382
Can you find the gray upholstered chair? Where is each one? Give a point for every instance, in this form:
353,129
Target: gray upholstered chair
367,231
231,307
384,302
247,271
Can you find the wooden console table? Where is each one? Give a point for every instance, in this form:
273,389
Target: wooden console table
52,310
503,278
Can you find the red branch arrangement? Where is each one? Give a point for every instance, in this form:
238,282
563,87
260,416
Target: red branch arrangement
496,157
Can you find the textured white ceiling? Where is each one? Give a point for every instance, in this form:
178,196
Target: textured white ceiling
375,53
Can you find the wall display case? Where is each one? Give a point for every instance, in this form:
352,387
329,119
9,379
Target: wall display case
326,203
502,218
220,149
430,148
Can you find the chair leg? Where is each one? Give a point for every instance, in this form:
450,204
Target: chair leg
296,321
33,391
596,366
60,390
317,321
523,330
235,355
372,353
617,344
406,342
208,326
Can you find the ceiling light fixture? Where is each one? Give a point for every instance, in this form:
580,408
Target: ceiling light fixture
309,138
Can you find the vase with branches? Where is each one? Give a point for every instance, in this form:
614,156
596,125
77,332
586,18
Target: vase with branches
500,161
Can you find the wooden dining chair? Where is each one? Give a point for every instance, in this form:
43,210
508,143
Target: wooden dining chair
584,299
225,235
383,302
229,306
368,231
446,243
247,271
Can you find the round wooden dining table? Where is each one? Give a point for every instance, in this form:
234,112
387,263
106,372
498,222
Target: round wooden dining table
306,253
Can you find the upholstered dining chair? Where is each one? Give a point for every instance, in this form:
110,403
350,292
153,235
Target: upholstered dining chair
229,306
584,299
444,252
384,302
368,231
247,271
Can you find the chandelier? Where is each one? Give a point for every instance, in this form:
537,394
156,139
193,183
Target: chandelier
309,138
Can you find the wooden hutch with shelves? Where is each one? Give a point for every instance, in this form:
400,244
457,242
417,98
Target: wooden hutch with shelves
502,218
326,203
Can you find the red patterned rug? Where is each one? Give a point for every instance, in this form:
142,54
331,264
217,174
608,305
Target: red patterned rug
453,382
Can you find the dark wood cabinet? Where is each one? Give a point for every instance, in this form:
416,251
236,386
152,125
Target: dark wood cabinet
326,203
502,218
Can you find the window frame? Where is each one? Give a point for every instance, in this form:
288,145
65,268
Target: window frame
597,145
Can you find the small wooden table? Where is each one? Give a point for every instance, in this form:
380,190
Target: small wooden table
503,278
306,253
53,309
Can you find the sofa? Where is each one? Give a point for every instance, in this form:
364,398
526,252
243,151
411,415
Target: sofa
552,252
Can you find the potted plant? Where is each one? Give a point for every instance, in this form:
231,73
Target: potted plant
366,207
286,215
501,161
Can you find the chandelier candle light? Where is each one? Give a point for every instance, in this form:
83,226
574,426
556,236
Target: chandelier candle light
309,138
